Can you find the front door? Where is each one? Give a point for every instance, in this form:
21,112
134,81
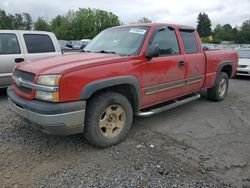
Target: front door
10,53
163,77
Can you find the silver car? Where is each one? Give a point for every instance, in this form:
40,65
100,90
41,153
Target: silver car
243,68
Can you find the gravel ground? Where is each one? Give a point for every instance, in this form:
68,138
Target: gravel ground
201,144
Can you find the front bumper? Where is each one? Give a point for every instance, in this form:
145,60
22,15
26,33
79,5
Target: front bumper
243,71
52,118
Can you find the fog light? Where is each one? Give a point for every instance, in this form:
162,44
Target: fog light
47,96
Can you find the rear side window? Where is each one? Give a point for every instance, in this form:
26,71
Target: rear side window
190,43
166,41
9,44
38,43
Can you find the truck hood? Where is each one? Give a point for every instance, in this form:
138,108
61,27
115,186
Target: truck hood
68,63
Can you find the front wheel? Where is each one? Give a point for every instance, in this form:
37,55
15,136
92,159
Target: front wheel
219,91
108,119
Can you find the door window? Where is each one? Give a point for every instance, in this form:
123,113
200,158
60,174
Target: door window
189,41
9,44
166,41
37,43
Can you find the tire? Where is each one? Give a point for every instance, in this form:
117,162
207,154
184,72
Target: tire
108,119
219,91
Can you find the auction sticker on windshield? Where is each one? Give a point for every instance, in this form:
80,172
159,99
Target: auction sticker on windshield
138,31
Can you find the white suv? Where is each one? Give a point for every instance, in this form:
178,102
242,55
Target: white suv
19,46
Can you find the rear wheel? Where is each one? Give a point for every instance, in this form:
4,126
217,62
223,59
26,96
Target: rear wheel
219,91
108,119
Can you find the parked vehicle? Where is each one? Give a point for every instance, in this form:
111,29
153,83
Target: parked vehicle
125,71
73,45
63,45
244,62
85,42
17,46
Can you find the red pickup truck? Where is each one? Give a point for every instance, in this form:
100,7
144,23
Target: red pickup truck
125,71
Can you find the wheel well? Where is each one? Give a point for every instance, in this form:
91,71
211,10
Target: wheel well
227,69
126,90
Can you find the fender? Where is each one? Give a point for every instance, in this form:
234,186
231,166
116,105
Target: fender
223,64
92,87
220,67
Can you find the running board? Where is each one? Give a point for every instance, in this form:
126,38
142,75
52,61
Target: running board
174,104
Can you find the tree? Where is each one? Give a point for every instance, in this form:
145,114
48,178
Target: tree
144,20
41,25
228,32
244,33
27,21
18,21
235,33
84,23
224,33
62,26
5,20
227,28
56,26
87,23
204,25
217,28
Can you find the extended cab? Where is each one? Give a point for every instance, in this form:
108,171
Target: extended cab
18,46
125,71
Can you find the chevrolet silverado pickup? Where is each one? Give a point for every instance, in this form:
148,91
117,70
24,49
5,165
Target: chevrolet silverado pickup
124,71
18,46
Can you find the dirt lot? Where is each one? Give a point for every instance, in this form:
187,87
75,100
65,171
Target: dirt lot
201,144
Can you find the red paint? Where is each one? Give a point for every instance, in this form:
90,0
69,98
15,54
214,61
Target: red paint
81,69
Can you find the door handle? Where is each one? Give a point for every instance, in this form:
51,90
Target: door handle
181,63
19,60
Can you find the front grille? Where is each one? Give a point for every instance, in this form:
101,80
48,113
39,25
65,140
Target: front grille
24,89
26,76
242,66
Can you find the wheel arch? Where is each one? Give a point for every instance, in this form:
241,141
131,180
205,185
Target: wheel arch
227,67
125,85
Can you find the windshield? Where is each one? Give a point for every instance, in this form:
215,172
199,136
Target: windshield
245,54
124,41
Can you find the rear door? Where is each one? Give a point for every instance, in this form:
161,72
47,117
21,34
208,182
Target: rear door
194,60
39,46
10,53
163,77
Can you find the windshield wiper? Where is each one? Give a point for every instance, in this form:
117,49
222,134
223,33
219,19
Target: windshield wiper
106,52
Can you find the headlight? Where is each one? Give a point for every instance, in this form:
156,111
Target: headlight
49,80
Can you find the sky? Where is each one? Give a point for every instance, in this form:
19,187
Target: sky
234,12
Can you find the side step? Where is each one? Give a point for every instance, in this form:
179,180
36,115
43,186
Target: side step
173,104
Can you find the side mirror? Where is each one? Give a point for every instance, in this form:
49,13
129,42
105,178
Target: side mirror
153,51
